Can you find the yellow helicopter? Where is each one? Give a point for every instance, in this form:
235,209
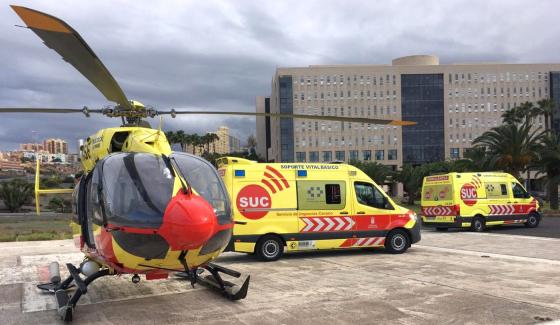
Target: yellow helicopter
139,207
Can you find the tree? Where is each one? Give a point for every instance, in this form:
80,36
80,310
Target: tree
195,141
52,182
15,193
411,177
214,138
376,171
548,161
517,115
56,204
207,139
251,142
546,108
511,147
479,160
171,138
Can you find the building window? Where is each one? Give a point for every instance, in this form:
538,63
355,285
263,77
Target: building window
366,154
392,154
300,156
454,153
379,154
314,156
353,154
340,155
327,156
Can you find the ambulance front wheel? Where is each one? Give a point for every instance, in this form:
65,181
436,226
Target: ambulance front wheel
478,224
397,241
269,248
533,221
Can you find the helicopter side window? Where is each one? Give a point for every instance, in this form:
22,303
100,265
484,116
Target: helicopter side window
206,182
92,207
137,188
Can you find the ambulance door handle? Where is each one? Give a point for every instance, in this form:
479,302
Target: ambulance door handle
343,212
361,212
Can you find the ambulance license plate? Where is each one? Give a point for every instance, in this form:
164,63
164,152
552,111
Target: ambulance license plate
440,219
306,244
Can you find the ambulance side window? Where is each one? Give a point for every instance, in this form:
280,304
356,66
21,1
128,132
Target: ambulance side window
496,190
518,191
321,195
367,194
504,189
333,193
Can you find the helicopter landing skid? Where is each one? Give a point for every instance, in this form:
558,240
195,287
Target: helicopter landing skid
66,303
214,280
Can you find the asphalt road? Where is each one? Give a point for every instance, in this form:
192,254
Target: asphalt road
447,278
548,227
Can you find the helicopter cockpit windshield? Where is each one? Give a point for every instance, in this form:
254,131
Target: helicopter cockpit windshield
206,182
137,188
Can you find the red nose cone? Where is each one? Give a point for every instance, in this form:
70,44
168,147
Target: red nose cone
189,221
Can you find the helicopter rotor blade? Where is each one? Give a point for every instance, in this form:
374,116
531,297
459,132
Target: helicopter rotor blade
84,110
301,116
59,36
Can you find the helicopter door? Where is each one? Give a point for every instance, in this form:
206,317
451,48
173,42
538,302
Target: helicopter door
90,210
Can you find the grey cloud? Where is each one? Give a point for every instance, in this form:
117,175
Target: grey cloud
221,54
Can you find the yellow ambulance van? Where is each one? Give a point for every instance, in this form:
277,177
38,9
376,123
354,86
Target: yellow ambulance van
311,206
476,200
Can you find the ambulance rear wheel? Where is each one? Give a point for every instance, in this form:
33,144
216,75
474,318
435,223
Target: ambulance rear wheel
397,241
533,221
478,224
269,248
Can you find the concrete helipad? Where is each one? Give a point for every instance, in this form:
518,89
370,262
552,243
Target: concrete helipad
453,278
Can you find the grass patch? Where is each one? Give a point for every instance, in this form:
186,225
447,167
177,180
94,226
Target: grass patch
26,228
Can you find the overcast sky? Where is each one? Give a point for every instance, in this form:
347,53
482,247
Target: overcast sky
221,54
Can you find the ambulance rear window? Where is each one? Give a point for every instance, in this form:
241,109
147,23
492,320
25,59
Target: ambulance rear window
333,193
440,192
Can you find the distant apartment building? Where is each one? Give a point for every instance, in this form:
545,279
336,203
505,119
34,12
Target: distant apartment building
55,146
31,147
225,144
452,104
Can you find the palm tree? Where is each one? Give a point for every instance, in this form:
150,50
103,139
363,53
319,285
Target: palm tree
171,137
549,162
195,141
214,138
511,147
524,112
480,159
180,137
546,108
207,139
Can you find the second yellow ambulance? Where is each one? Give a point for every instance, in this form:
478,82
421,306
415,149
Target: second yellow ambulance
476,200
311,206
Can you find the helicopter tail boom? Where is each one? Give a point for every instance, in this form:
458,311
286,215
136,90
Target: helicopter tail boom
39,191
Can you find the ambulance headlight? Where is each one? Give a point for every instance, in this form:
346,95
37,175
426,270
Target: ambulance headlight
413,216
